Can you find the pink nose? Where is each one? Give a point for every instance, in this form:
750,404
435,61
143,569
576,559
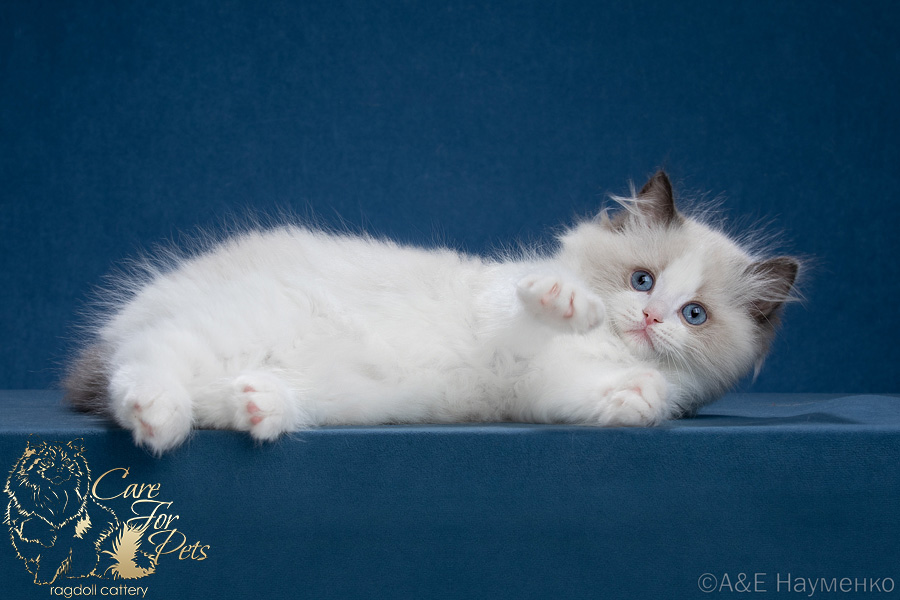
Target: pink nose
651,316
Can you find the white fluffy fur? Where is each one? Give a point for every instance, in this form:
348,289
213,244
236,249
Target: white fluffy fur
281,329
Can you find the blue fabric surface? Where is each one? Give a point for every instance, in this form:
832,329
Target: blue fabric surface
779,487
31,411
473,123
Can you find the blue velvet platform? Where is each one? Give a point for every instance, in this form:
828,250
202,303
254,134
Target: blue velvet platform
759,492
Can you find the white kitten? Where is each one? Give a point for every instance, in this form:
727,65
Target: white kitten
632,320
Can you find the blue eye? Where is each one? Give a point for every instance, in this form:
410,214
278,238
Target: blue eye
642,281
694,314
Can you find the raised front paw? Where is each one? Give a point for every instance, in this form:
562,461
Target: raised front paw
561,301
639,399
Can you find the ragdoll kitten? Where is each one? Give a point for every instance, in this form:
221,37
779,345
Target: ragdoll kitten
632,320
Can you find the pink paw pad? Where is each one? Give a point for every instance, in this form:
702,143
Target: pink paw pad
571,310
550,295
253,409
147,429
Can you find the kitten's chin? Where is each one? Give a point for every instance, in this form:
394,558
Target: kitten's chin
642,344
639,339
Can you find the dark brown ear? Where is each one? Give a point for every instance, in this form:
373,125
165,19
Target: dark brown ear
656,201
777,275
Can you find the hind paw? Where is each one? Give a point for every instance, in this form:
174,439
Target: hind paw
264,406
158,416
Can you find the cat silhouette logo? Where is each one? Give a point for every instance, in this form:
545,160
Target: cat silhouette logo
59,527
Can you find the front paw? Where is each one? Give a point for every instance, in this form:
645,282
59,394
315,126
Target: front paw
561,302
639,399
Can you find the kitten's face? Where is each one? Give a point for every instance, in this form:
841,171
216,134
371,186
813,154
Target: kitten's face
680,302
680,293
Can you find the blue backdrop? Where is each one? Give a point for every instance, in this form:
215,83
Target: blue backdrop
472,123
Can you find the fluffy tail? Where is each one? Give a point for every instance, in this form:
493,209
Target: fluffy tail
86,382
